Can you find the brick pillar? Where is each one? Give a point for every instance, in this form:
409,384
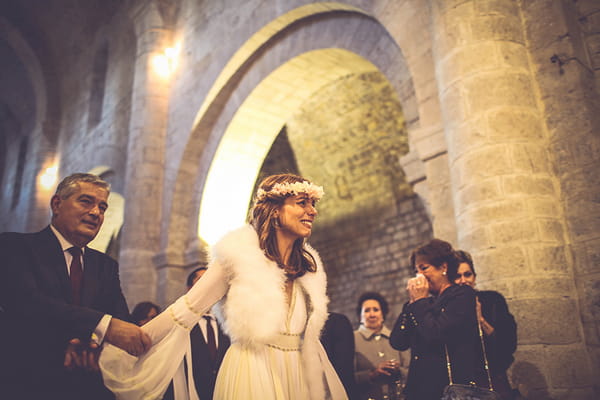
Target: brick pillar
145,159
506,196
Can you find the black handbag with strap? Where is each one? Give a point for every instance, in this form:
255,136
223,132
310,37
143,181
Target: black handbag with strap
457,391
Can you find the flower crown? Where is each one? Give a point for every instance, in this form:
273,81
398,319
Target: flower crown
287,188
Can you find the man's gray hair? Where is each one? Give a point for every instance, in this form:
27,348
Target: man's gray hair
70,184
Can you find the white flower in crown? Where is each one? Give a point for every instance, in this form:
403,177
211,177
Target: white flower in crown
287,188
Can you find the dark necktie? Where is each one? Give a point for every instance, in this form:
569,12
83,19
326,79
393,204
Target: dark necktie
210,339
76,274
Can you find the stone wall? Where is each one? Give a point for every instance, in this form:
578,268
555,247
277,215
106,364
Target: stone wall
372,255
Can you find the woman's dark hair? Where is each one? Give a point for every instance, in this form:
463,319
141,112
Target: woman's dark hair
263,218
372,296
192,275
437,252
141,310
464,257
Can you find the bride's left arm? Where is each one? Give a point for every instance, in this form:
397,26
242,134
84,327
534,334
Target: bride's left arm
187,310
133,378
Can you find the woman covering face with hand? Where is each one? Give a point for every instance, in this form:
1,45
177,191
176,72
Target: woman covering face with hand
498,325
380,370
269,287
440,315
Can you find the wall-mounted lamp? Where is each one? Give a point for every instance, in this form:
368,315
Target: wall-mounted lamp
166,62
563,60
49,177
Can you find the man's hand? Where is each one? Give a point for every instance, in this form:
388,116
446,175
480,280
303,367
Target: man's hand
80,355
128,337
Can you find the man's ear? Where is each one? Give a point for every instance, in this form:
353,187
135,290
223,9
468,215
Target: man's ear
55,203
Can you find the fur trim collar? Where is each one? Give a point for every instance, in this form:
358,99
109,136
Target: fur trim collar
257,293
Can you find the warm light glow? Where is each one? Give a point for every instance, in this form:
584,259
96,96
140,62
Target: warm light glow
227,194
49,177
166,62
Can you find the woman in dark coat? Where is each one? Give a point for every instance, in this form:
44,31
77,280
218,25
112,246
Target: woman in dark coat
439,315
498,325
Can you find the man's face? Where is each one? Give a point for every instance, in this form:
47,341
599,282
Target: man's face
79,217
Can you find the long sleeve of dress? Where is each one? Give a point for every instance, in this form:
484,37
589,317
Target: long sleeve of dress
400,338
147,377
434,321
433,325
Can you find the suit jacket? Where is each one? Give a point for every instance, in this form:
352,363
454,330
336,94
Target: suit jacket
426,327
37,317
501,345
204,371
338,340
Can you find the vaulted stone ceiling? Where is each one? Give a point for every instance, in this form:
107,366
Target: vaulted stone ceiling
35,47
40,30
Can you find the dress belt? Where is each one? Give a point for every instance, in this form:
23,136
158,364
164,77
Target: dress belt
286,341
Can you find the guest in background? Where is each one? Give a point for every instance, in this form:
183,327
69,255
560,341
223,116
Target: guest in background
440,315
144,312
379,369
498,325
338,340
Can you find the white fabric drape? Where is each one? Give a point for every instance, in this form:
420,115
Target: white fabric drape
148,377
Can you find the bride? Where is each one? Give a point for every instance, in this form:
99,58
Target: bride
269,290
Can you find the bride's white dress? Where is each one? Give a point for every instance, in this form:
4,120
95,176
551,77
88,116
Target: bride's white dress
269,371
265,371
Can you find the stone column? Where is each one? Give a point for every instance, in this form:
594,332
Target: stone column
145,158
43,155
571,94
506,196
426,168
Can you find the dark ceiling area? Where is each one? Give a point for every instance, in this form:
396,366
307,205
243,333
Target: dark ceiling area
41,30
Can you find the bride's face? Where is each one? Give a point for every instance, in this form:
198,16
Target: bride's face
296,216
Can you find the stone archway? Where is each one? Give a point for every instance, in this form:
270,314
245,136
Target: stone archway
328,32
216,113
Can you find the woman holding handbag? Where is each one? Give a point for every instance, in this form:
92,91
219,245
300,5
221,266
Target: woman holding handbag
438,320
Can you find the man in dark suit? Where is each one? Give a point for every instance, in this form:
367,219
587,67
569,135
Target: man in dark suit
338,340
60,300
205,362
